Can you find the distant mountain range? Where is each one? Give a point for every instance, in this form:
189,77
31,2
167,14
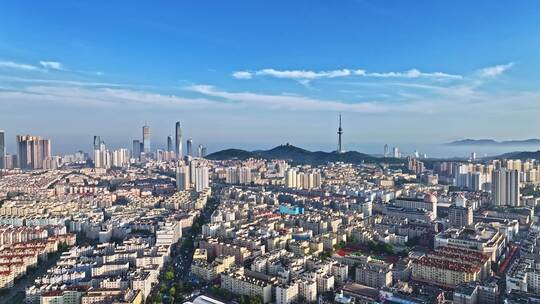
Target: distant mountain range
301,156
492,142
520,155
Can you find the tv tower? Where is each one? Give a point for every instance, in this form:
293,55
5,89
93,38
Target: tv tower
340,132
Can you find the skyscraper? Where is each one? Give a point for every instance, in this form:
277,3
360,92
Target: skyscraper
192,167
395,152
498,189
386,150
2,149
244,175
201,178
97,142
182,177
505,187
136,149
146,139
178,140
169,144
102,157
231,176
290,177
340,132
120,158
200,151
189,147
32,150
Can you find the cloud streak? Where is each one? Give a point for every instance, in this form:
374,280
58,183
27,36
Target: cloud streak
44,66
298,74
495,71
411,74
76,96
51,65
18,66
242,75
307,75
61,82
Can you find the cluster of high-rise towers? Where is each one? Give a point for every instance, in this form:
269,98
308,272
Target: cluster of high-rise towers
33,152
177,149
142,150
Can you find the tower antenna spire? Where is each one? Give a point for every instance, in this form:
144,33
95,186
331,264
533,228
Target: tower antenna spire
340,132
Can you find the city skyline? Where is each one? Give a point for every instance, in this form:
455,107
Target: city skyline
164,143
385,70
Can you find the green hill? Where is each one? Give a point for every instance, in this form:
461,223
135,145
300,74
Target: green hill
301,156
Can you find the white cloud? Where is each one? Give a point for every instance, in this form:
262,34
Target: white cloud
18,66
242,75
43,66
495,71
360,73
299,75
51,65
413,73
307,75
296,74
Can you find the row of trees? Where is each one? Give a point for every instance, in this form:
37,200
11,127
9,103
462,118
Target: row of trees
169,293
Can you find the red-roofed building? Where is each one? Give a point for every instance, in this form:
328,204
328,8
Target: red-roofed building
448,267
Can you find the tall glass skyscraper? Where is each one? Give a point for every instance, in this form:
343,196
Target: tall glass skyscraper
146,139
97,142
136,149
189,147
169,144
178,140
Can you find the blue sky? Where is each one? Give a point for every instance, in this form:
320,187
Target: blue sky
254,74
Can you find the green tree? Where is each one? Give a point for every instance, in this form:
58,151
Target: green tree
162,288
172,292
159,298
380,247
339,245
169,276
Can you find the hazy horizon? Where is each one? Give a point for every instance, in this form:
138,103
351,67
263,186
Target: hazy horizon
68,145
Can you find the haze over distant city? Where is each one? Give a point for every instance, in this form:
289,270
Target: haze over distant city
251,76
